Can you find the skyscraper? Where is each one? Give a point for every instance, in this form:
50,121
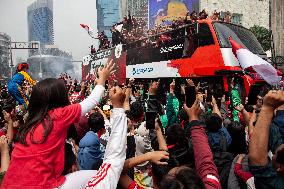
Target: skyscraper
49,61
277,26
108,15
5,54
139,9
40,22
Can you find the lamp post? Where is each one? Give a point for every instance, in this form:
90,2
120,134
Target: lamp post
40,64
11,60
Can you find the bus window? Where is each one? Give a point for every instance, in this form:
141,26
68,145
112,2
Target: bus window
204,35
240,34
163,47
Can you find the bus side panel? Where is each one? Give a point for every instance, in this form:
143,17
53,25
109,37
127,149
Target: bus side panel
203,57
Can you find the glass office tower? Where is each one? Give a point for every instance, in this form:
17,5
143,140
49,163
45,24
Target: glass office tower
40,22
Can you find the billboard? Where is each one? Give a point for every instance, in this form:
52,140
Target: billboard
169,10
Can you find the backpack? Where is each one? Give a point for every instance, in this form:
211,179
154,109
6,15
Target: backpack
223,161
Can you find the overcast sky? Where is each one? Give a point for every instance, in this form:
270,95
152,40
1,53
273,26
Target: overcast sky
67,15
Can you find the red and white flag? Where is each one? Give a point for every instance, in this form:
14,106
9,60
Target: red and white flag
88,29
119,27
248,59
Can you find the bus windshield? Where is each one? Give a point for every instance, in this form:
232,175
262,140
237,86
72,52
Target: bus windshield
240,34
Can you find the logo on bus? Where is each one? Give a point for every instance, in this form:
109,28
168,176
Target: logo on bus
170,49
137,71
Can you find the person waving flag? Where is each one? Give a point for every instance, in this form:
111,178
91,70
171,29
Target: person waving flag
89,30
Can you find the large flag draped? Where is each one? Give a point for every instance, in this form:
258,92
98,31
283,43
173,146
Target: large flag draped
248,59
88,29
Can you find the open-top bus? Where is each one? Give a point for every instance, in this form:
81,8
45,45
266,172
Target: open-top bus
200,50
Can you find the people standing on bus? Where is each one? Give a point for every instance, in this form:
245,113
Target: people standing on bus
215,16
228,17
203,15
193,16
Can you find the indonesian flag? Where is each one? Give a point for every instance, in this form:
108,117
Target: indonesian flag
119,27
248,59
88,29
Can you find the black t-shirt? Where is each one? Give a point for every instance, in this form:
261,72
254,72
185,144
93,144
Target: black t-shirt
266,177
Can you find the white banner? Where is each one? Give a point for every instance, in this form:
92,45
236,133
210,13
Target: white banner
151,70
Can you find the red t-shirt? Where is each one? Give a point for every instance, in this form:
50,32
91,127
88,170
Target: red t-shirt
41,165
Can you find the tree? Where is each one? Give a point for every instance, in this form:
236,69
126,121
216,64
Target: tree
263,36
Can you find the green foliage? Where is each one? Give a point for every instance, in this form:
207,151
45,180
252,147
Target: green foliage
263,36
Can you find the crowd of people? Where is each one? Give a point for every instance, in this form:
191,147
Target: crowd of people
95,134
133,29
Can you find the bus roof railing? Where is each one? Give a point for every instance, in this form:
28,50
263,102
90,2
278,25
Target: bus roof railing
171,30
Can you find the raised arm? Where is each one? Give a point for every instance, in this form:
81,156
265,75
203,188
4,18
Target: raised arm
171,115
5,157
251,122
10,130
258,147
204,163
160,137
89,103
244,175
245,114
155,157
108,175
126,104
215,107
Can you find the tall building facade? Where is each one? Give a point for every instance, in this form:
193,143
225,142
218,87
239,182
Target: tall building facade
40,22
5,55
247,13
138,8
48,61
277,26
108,13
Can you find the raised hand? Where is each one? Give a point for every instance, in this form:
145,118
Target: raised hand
131,81
172,86
157,157
4,144
154,87
273,99
240,158
117,97
7,116
240,107
190,82
127,92
214,102
105,72
194,111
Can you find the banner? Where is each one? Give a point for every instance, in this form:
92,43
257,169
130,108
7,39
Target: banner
165,11
101,58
